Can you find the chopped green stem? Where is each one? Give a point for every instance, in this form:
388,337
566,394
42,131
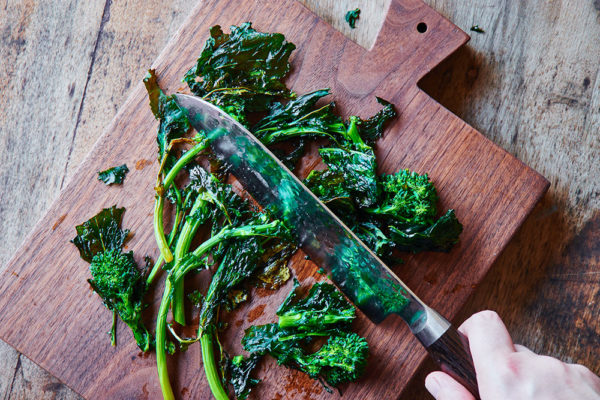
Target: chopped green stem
161,343
210,368
285,134
287,321
155,269
159,232
159,262
113,330
181,248
179,338
352,132
224,234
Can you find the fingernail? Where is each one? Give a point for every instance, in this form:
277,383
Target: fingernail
432,385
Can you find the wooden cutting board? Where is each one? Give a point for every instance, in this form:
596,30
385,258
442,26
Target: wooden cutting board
49,313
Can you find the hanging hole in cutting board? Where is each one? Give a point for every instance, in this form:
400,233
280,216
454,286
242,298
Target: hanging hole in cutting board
421,27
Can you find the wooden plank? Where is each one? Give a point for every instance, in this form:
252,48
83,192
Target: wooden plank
471,172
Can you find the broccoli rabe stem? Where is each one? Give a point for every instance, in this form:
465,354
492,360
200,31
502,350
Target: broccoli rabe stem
181,248
292,320
352,132
159,262
176,274
210,368
161,343
159,231
113,330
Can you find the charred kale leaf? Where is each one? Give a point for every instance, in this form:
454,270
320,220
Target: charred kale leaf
113,175
240,369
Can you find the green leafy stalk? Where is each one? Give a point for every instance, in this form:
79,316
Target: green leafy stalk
159,232
210,368
115,275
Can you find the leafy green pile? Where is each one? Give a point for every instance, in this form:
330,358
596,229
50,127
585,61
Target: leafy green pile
213,228
324,312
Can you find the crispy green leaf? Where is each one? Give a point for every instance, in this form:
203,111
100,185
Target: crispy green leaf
113,175
100,233
242,71
352,16
240,369
174,122
358,169
298,118
440,236
372,128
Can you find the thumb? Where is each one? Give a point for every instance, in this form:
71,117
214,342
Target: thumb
443,387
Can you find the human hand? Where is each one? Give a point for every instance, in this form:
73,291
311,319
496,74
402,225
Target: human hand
507,371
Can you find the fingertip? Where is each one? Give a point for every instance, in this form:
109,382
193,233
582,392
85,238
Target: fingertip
443,387
485,330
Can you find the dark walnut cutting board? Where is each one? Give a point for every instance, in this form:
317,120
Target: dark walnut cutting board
49,313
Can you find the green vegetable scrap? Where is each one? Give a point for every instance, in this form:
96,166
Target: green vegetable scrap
115,275
240,368
114,175
352,16
476,28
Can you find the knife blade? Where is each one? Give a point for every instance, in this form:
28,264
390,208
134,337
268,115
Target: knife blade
353,267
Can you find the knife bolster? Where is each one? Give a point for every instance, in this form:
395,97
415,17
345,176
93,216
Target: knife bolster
433,326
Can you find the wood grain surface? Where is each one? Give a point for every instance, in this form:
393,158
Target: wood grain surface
535,277
491,191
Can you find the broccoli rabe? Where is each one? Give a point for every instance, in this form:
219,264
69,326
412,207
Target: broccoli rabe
115,275
323,312
323,307
409,199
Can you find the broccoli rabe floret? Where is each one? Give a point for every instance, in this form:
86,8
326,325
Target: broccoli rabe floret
323,312
115,275
116,278
342,359
409,199
323,307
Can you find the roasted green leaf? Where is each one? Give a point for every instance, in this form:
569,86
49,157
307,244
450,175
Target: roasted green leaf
352,16
173,119
113,175
242,71
323,307
100,233
299,118
240,369
440,236
372,129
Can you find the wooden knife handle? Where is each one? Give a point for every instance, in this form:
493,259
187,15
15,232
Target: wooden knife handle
451,352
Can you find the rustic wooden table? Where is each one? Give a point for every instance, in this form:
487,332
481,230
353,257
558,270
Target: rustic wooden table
530,83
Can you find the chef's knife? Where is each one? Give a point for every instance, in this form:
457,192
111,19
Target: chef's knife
354,268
